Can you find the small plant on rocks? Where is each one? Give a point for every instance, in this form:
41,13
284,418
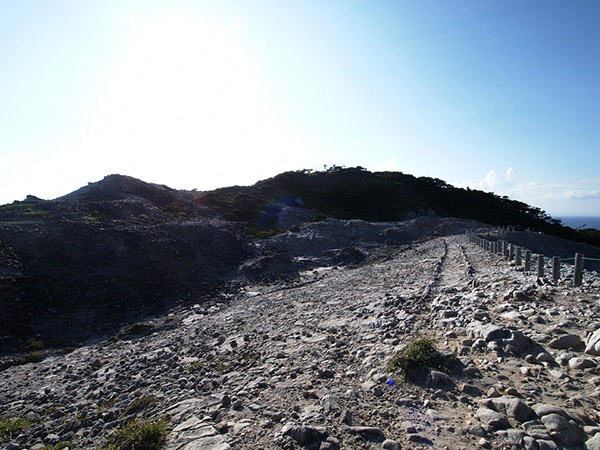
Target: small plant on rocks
108,404
139,404
419,355
139,435
34,344
59,446
13,427
33,357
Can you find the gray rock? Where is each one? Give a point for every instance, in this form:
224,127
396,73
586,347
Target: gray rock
329,403
512,315
581,363
420,439
437,378
477,430
52,439
493,392
592,345
346,417
489,332
368,433
493,419
514,408
470,389
555,422
563,358
543,409
570,437
512,436
304,434
207,443
544,357
593,443
484,443
566,341
530,443
410,428
558,374
546,445
379,378
390,444
520,341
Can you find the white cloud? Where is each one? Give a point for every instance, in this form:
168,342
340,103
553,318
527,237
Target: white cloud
510,174
389,165
494,180
574,194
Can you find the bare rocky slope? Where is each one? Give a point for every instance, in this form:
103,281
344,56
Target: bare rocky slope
298,356
245,319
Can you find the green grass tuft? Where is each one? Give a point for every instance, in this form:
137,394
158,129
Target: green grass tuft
59,446
139,435
414,359
13,427
108,404
33,357
139,404
34,344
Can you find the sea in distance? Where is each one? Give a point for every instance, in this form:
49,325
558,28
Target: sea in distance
581,221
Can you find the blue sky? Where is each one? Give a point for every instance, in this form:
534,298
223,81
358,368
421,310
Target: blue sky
496,95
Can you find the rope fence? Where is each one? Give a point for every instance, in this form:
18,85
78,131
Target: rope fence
533,262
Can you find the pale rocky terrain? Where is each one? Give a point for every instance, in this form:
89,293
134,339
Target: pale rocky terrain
299,360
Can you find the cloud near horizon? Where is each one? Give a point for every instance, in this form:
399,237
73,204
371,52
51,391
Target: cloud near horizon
574,194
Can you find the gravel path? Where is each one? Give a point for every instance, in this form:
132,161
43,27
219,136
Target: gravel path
303,364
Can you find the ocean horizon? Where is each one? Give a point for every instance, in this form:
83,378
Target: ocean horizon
580,221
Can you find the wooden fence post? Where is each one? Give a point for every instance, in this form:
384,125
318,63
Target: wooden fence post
527,260
518,256
578,275
540,264
555,268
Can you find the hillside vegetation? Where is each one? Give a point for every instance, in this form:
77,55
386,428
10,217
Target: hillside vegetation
355,193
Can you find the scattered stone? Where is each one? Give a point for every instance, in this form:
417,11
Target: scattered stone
420,439
512,436
390,444
304,434
369,433
329,403
581,363
493,419
566,341
593,443
470,389
544,357
514,408
555,422
592,345
437,378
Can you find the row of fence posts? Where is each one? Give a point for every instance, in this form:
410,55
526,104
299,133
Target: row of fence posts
516,254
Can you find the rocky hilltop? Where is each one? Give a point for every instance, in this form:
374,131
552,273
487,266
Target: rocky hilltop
130,304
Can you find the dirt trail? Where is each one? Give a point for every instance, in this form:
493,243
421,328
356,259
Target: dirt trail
303,364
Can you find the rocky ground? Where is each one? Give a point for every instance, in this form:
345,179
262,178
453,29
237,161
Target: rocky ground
303,363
